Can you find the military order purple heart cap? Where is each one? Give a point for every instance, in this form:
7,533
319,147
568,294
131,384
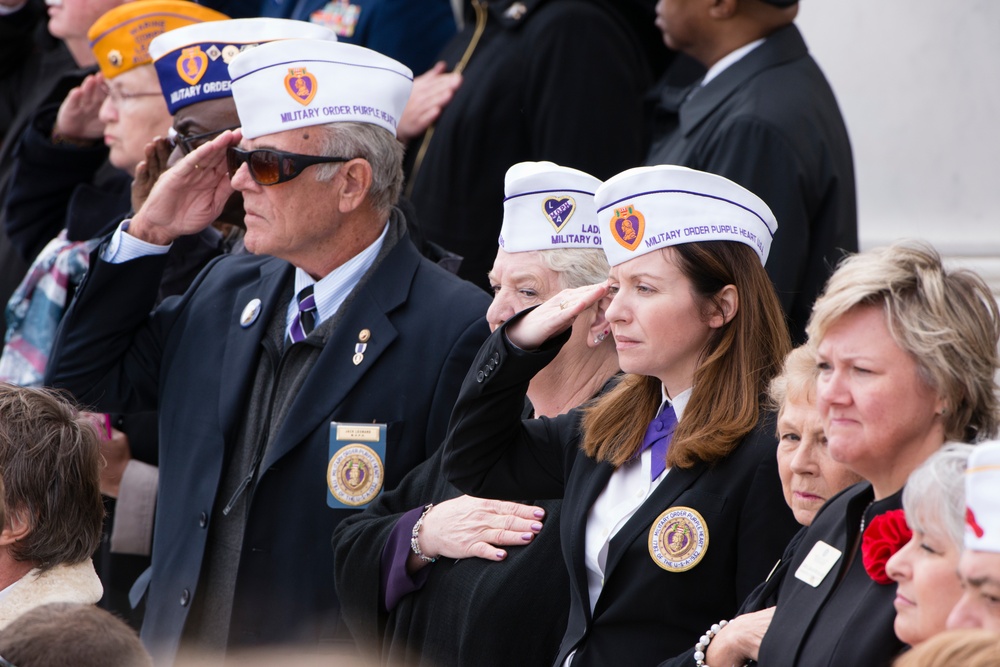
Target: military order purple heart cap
648,208
193,62
293,83
547,206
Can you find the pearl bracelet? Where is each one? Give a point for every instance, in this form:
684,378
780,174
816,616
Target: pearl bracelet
415,541
702,646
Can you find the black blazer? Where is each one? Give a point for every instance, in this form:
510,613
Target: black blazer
192,357
771,123
464,614
835,624
645,613
763,597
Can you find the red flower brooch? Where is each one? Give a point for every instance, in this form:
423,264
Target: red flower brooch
886,535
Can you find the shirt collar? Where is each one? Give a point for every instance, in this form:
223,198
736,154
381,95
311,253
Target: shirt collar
729,59
679,402
331,290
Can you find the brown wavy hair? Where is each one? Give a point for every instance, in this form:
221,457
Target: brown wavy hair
50,462
738,361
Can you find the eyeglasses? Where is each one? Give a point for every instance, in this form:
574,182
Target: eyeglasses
118,96
189,142
270,167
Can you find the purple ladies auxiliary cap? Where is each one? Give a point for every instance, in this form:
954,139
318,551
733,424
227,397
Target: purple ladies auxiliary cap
982,498
296,83
193,62
120,38
648,208
547,206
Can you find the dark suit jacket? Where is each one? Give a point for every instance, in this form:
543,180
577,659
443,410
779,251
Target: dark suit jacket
835,624
645,613
771,123
192,358
763,597
558,80
31,74
464,614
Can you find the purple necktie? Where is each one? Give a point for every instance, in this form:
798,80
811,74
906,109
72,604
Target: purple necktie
658,435
305,319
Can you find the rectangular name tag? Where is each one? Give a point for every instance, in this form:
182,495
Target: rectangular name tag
821,559
356,471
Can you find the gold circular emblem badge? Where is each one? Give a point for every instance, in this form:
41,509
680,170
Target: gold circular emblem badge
115,58
678,539
355,474
229,51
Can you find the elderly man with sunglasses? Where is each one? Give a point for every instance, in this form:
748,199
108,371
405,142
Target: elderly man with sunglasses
293,384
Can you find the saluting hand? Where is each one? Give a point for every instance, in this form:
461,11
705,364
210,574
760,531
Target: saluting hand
189,196
467,527
149,170
432,92
554,316
77,117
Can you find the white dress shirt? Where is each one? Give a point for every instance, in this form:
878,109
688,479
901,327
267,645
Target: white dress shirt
626,491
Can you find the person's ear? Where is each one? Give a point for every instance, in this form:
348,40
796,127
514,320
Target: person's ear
727,303
723,9
17,528
600,328
355,180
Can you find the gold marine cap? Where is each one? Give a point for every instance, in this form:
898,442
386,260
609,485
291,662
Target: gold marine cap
120,38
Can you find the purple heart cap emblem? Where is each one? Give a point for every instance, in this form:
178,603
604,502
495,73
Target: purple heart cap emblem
559,211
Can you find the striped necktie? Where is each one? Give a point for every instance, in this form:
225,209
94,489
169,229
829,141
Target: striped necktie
305,319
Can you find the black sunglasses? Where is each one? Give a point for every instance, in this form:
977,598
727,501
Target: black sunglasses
189,142
270,167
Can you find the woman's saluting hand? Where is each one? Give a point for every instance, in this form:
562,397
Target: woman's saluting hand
554,316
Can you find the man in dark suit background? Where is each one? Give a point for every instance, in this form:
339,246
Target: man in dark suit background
335,318
763,116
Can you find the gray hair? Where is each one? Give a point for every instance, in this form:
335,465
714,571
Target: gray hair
934,494
577,266
797,381
375,145
948,320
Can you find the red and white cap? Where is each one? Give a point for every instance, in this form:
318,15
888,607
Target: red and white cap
982,498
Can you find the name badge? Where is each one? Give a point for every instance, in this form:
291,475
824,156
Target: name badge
821,559
356,471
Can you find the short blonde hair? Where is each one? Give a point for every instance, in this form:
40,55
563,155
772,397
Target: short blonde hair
948,320
797,380
969,648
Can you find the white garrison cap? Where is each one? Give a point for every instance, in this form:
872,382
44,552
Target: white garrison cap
648,208
982,498
546,206
295,83
193,62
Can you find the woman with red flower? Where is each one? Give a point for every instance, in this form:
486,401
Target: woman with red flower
926,568
809,477
906,352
